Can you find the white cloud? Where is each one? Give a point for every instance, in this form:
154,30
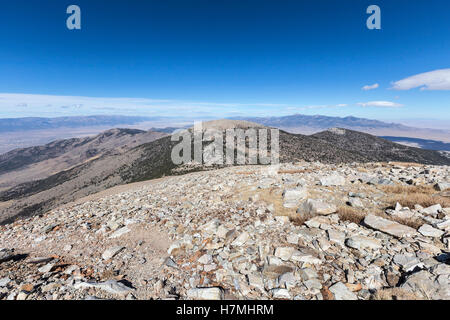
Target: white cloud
53,106
380,104
433,80
370,87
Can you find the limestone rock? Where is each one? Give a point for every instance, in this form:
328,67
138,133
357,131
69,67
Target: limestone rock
213,293
387,226
315,207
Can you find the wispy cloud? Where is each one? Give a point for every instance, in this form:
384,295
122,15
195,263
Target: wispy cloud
53,105
380,104
370,87
433,80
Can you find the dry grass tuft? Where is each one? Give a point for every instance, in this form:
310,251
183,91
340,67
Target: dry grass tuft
401,189
413,223
395,294
299,219
347,213
408,196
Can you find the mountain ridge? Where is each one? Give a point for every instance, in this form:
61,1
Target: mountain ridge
152,159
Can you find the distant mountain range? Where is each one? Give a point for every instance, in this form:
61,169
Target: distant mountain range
36,179
33,123
306,124
26,132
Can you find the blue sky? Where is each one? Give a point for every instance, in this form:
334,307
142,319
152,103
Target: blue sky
223,58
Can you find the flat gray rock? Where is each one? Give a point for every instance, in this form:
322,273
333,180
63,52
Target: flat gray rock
111,252
110,286
361,242
4,282
341,292
428,231
316,207
120,232
332,180
390,227
292,197
213,293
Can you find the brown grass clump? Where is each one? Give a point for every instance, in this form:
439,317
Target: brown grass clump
413,223
408,196
395,294
401,189
299,219
350,214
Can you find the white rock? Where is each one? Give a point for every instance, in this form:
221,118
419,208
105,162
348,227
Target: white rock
336,236
390,227
361,242
432,210
205,293
120,232
241,239
341,292
315,207
332,180
429,231
355,202
222,231
111,252
280,293
282,219
444,225
255,280
407,262
292,239
284,253
205,259
293,197
46,268
4,282
110,286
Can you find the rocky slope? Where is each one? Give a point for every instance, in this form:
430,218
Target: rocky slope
378,149
298,231
153,160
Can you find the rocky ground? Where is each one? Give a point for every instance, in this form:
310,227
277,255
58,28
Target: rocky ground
301,231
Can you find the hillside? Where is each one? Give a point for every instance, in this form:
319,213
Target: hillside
378,149
153,160
34,163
